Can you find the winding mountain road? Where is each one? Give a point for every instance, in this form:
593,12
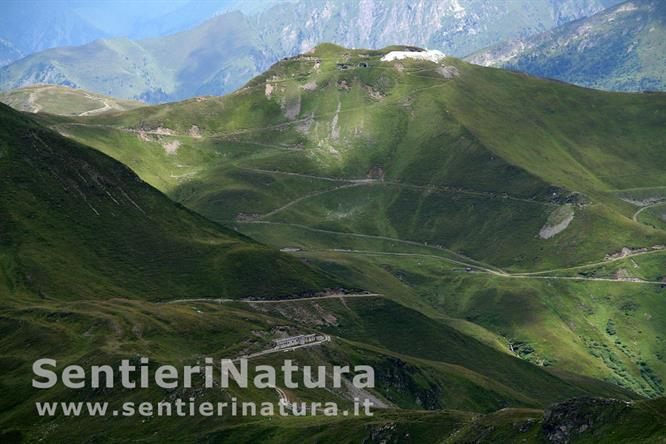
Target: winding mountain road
272,301
463,260
641,209
370,181
506,275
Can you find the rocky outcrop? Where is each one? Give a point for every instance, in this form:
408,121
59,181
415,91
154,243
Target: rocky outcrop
569,420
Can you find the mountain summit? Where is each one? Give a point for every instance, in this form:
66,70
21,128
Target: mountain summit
219,55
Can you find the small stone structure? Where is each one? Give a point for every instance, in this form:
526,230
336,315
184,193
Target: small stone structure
295,341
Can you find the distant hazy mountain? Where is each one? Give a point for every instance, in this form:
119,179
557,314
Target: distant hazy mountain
456,27
8,52
215,57
193,13
622,48
221,54
31,26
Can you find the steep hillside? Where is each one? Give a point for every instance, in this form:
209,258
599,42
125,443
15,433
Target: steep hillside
219,55
500,200
54,99
620,49
70,211
448,154
483,211
416,393
90,254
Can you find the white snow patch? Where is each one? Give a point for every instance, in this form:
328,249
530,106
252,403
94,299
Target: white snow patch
432,55
628,7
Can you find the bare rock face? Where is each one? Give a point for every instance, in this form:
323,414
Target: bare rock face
599,52
448,72
376,172
557,222
194,132
568,420
456,27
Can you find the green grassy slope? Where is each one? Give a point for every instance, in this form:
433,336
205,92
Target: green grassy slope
451,165
72,231
476,162
290,166
382,324
54,99
604,329
582,139
68,210
455,375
